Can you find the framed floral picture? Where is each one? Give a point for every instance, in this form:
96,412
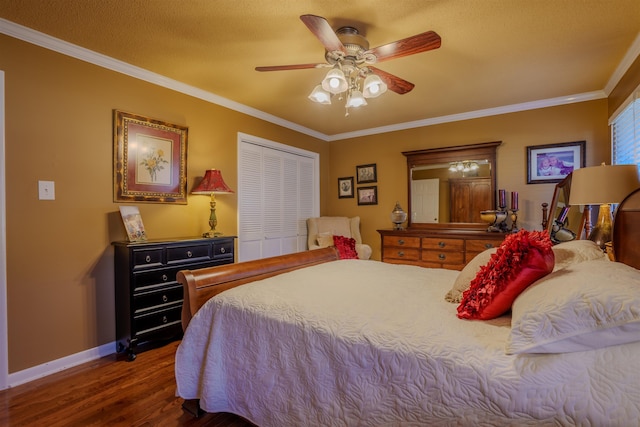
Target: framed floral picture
345,188
149,161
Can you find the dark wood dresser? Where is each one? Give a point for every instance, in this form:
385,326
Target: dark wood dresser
148,297
440,247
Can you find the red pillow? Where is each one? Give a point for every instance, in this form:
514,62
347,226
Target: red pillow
521,259
346,247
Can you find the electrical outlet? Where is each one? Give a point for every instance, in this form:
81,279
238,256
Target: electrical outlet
46,190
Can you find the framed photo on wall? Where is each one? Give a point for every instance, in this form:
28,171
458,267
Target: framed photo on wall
149,160
345,188
368,195
366,173
553,162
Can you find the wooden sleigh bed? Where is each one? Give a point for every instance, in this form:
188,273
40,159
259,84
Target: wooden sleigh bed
298,345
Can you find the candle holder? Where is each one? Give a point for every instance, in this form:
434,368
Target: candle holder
496,220
514,221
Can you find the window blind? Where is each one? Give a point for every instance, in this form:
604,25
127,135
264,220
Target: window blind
625,134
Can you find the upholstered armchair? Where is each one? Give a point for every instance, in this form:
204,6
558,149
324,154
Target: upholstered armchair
320,232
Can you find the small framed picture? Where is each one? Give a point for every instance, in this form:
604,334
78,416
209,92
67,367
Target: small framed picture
553,162
368,195
345,188
366,173
133,223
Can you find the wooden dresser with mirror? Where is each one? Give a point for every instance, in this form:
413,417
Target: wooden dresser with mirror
444,228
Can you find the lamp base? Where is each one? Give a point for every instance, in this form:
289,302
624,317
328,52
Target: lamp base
601,233
212,233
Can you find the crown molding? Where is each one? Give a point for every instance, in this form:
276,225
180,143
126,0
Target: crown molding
43,40
632,53
506,109
48,42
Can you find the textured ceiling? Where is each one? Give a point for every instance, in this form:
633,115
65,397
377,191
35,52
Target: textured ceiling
494,53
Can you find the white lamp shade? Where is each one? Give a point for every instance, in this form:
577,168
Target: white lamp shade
373,86
320,95
356,99
335,81
597,185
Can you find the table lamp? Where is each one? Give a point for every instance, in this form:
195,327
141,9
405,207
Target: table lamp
603,185
212,184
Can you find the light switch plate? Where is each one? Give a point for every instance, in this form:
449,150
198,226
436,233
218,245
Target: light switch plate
46,190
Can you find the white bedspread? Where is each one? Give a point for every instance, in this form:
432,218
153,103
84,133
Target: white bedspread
362,343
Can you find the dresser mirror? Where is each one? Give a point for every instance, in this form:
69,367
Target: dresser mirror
449,186
574,219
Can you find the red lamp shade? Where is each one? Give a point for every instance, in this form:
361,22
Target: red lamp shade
212,183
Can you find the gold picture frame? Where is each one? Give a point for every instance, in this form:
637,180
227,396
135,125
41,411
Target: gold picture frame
149,161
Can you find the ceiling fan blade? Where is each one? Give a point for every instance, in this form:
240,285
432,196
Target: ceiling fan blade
394,83
290,67
323,31
409,46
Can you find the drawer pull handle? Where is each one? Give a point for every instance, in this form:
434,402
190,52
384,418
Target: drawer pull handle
222,250
165,277
189,254
488,245
400,253
442,244
442,256
401,242
164,298
164,319
148,258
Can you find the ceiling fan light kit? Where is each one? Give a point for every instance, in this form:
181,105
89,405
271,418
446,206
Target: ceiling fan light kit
320,95
352,73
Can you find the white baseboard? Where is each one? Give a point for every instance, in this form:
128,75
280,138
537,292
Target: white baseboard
40,371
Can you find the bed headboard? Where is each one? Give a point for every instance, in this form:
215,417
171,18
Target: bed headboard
626,231
201,285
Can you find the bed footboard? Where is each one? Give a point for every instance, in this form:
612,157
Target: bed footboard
203,284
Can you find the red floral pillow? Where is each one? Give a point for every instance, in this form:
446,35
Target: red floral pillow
523,258
346,247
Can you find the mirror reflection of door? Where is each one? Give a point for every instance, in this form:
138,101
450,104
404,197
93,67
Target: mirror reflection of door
425,195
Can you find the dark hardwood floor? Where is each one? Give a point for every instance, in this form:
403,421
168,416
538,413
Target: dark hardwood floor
107,392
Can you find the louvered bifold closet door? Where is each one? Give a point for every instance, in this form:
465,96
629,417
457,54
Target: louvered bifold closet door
278,191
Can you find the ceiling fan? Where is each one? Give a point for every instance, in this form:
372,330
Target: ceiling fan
351,62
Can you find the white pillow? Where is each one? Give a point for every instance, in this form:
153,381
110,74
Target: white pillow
589,305
576,251
566,254
467,274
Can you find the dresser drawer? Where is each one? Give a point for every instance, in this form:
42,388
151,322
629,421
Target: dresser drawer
147,258
223,250
155,320
155,278
444,257
177,254
412,254
145,301
443,244
408,242
480,245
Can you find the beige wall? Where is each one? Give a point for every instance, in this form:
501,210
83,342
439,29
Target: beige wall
59,128
575,122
